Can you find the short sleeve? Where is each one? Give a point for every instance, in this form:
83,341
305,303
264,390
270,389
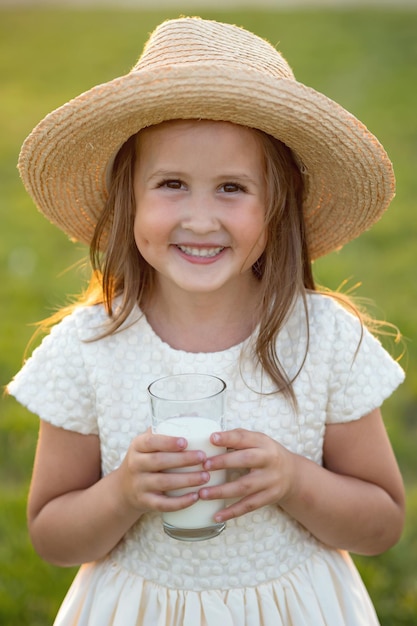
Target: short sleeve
362,373
54,384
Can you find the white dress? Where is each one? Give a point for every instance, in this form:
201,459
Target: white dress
265,569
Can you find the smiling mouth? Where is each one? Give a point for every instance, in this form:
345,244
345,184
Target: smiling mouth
205,253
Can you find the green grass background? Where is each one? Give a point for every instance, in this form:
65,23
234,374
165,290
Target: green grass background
366,60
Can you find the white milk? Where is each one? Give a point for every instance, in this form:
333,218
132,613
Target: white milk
197,431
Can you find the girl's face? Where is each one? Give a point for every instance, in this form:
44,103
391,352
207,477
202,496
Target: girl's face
200,205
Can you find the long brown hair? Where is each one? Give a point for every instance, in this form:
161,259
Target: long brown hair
284,269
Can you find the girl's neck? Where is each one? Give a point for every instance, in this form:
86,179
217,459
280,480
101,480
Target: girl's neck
203,322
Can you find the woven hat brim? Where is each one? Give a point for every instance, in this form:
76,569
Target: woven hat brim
349,181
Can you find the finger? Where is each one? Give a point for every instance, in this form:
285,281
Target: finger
151,442
176,481
249,458
165,504
242,487
247,505
238,438
161,461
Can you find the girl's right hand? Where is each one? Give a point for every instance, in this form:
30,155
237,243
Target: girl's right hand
147,473
77,515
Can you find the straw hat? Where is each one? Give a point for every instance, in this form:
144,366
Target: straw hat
198,69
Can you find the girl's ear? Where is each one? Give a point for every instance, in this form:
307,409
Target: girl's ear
258,266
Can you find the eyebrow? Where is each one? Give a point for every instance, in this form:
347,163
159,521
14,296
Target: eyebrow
163,173
227,176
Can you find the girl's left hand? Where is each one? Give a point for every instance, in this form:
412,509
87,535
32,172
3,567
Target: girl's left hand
270,469
354,501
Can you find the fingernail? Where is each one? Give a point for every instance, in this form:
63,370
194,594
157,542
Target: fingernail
215,437
201,456
181,442
207,464
203,493
218,518
205,476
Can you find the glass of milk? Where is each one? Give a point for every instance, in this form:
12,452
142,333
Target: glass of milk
191,406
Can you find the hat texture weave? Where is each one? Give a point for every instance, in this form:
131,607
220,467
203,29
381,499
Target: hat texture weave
200,69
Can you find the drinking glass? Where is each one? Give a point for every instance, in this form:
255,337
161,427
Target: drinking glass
191,406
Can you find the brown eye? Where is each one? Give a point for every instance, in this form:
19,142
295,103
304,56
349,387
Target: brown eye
171,184
232,188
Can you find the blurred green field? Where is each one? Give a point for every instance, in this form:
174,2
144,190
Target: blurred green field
366,60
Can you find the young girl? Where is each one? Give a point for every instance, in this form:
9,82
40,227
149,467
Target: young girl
205,182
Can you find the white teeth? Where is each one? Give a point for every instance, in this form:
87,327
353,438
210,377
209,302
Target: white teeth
200,252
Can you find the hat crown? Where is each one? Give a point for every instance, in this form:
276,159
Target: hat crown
193,40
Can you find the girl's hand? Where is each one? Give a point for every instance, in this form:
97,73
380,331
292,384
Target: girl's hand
354,501
148,472
76,515
269,477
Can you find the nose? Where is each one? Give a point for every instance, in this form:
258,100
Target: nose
200,215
